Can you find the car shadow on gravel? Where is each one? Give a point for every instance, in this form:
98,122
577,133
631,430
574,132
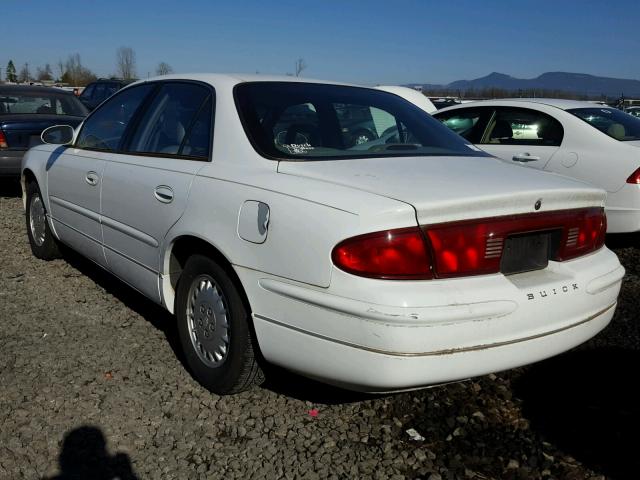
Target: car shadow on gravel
290,384
587,403
151,312
623,240
84,456
10,188
277,380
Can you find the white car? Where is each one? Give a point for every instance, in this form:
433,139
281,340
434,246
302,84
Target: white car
415,262
411,94
593,143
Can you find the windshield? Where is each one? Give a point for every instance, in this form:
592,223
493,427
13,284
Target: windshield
50,103
307,121
613,122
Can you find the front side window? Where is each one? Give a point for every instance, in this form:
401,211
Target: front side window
522,126
307,121
468,123
613,122
104,129
176,122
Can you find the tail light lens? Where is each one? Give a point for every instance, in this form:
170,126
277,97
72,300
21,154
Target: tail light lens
634,177
465,248
3,140
392,254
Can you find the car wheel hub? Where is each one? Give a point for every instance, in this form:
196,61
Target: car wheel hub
37,220
207,319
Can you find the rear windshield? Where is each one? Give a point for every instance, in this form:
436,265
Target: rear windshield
307,121
49,103
613,122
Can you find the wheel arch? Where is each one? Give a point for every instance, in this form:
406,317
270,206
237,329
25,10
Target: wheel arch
176,254
26,177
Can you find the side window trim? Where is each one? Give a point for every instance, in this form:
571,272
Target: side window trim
187,133
530,111
134,122
125,133
123,148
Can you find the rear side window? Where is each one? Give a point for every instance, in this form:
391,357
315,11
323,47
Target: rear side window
104,129
611,121
468,122
177,122
522,126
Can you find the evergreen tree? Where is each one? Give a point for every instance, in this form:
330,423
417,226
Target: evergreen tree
11,72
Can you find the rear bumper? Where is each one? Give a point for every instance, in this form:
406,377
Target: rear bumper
358,368
373,335
10,162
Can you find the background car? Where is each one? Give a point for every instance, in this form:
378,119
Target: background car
412,95
410,263
635,111
25,111
97,92
593,143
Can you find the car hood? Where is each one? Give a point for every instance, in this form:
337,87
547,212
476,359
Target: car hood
634,143
453,188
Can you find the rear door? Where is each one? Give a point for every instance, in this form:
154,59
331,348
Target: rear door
522,136
74,174
146,187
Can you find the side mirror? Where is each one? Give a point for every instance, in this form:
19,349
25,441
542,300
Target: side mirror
57,135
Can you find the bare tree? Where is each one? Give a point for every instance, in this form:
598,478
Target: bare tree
75,74
60,68
300,65
44,73
25,75
163,68
126,62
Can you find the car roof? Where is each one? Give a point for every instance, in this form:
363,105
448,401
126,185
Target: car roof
236,78
15,89
552,102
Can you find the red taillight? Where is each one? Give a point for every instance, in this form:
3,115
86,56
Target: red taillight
583,234
470,247
634,177
3,140
475,247
392,254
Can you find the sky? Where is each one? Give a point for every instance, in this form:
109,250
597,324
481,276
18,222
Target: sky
366,42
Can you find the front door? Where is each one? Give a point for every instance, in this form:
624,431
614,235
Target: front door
74,182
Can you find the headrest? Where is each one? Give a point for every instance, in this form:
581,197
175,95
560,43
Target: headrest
502,130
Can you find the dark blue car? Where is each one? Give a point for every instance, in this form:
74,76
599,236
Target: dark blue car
25,111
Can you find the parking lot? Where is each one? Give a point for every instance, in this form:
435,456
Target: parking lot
93,385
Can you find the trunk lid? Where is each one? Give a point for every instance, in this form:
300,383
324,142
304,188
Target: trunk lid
22,131
443,189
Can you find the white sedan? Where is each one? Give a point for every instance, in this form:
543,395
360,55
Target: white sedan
417,261
590,142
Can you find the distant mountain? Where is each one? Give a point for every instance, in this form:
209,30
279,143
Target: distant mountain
579,83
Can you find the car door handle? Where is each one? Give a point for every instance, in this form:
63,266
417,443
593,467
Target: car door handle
163,194
91,178
525,157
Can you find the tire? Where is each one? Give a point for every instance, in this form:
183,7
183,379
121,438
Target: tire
43,244
214,328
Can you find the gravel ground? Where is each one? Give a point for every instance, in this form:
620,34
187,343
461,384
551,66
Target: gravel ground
92,386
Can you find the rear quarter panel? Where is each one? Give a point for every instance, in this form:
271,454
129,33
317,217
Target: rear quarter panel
307,219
